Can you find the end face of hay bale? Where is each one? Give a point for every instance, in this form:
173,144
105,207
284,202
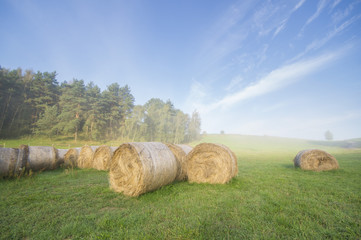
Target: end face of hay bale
102,157
211,163
137,168
85,159
315,160
42,158
8,160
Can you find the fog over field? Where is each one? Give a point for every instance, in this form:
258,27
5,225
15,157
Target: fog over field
278,68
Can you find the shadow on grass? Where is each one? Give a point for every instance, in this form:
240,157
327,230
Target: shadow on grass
287,165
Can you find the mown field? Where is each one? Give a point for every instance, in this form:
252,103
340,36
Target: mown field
269,199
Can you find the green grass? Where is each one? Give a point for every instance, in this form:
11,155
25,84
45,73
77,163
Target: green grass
269,199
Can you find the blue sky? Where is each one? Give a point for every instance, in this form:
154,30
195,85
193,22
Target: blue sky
281,68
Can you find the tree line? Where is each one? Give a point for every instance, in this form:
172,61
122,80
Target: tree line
35,103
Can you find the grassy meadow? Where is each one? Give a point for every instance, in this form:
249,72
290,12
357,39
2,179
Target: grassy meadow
269,199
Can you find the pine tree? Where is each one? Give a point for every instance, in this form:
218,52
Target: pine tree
95,123
48,121
72,106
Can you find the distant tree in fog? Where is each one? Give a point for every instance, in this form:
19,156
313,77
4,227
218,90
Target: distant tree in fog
328,135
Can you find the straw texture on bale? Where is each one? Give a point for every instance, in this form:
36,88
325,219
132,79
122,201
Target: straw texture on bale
71,158
8,160
85,159
102,157
61,155
42,158
316,160
137,168
211,163
180,152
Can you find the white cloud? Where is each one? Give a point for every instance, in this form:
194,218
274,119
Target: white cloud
335,3
234,83
340,15
274,107
299,4
280,27
318,43
275,80
321,5
283,23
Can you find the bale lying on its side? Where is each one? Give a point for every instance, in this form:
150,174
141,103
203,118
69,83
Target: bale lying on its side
42,158
316,160
102,157
23,154
71,158
180,152
61,155
211,163
8,160
137,168
185,148
85,159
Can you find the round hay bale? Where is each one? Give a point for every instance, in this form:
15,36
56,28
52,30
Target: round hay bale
23,154
42,158
61,155
211,163
316,160
22,159
71,158
8,160
102,157
185,148
85,159
180,152
137,168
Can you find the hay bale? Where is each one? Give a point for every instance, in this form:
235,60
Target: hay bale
102,157
180,152
61,155
316,160
23,154
85,159
137,168
71,158
211,163
8,160
42,158
13,161
185,148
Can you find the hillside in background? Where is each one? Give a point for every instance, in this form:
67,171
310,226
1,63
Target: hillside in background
270,143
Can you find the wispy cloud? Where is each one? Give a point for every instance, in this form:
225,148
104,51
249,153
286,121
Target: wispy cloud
235,30
299,4
318,43
321,5
275,80
335,3
280,27
340,15
234,83
283,23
